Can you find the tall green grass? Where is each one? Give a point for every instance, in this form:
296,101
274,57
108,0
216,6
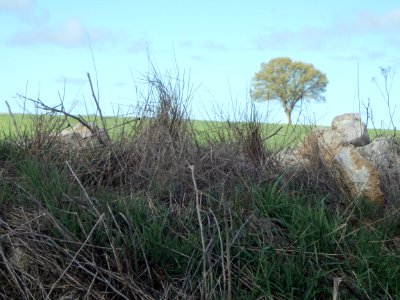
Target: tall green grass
280,247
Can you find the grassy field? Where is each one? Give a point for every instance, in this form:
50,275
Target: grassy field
176,209
286,135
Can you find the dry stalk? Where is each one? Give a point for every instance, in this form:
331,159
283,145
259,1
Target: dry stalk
75,256
22,225
336,282
96,101
23,290
13,119
203,243
83,189
222,257
119,265
228,247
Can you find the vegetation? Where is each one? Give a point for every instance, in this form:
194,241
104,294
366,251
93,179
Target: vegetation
169,209
289,82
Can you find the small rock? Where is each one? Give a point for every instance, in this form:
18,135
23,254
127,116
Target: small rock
18,258
80,136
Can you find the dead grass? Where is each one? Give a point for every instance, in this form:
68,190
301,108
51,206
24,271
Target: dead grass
154,213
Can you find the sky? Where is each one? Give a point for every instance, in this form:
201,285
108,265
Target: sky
47,47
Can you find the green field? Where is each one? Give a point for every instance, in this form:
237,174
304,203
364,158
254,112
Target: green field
282,135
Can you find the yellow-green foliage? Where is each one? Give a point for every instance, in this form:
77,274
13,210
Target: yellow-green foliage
288,82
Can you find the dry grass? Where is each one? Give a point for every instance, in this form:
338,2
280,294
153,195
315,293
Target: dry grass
157,213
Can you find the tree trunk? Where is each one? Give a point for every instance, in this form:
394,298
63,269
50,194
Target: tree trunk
288,116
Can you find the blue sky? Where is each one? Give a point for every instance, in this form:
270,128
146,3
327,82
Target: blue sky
45,46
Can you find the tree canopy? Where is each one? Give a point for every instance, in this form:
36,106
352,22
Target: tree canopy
289,82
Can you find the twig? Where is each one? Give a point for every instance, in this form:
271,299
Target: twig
96,101
98,214
22,225
23,291
60,111
75,256
83,188
274,133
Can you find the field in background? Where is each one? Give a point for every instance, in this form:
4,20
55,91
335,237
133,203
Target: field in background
286,135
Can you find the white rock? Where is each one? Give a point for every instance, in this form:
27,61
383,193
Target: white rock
351,129
320,143
383,152
335,148
359,174
291,158
81,136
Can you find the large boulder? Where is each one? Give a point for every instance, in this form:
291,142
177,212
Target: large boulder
346,129
358,174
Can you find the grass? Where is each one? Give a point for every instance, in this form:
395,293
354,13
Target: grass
286,136
177,209
281,247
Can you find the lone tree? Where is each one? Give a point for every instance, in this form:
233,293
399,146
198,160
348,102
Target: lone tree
289,82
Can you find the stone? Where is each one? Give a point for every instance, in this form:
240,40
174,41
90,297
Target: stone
384,153
18,258
292,159
358,174
336,149
81,136
322,143
351,129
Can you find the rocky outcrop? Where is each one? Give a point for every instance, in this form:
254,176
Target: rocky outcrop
346,150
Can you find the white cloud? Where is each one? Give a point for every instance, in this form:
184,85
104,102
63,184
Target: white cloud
338,34
71,80
308,38
206,44
17,6
186,44
367,21
214,46
198,58
363,54
70,33
138,46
